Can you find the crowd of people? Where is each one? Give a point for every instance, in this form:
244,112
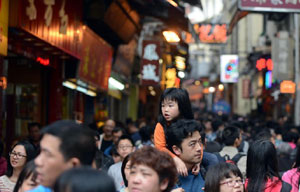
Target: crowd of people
184,151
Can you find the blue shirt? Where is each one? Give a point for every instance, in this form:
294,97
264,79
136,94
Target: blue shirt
40,188
191,183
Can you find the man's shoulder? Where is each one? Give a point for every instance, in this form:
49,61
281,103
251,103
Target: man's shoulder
40,188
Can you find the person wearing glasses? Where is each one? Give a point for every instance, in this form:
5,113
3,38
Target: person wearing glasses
124,147
224,177
21,153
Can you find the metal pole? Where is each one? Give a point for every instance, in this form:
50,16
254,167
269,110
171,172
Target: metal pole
297,99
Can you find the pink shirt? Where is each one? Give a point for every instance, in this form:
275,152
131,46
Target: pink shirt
292,177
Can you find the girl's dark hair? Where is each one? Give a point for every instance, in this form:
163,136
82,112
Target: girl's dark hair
261,164
30,154
181,96
297,163
126,159
217,173
27,171
84,179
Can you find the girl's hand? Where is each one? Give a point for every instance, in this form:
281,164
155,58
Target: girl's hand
180,166
178,190
196,169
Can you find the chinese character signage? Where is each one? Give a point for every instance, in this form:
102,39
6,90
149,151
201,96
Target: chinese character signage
150,62
55,22
211,33
270,5
229,68
95,65
3,26
283,58
287,87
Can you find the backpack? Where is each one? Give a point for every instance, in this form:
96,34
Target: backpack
227,159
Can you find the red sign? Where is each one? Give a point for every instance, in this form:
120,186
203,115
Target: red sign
150,62
270,5
262,63
211,33
95,65
56,22
42,61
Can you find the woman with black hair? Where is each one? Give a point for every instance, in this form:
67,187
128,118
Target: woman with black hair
224,177
21,153
125,170
27,178
84,179
262,169
292,176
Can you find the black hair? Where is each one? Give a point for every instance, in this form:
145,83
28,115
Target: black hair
30,154
117,129
27,171
263,135
216,123
124,162
84,179
76,140
261,164
179,131
290,137
146,132
230,134
33,124
217,173
123,137
181,96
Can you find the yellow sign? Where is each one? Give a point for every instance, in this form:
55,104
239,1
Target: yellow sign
287,87
3,26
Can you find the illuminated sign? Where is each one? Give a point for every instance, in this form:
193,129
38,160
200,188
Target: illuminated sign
229,68
263,63
211,33
268,79
3,82
287,87
42,61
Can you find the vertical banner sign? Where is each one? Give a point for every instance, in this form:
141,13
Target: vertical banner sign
229,68
3,26
270,5
95,66
150,62
283,59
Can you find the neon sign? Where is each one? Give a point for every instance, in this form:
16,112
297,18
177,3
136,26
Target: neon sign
211,33
263,63
42,61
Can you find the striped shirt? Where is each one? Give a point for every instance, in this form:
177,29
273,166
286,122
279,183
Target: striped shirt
6,185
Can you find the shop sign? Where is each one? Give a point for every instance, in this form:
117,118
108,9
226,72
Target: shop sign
95,65
3,26
211,33
42,61
287,87
246,88
263,63
283,58
171,78
56,22
270,5
150,62
229,68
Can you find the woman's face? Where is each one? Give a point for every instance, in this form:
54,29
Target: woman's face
28,184
127,170
18,156
144,179
232,184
